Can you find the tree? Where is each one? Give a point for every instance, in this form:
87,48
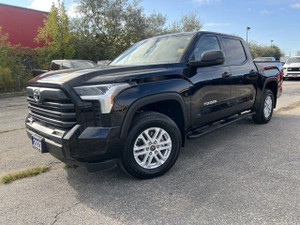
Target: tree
111,26
258,50
13,71
188,23
55,34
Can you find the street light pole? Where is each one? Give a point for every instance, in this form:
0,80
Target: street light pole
272,43
247,31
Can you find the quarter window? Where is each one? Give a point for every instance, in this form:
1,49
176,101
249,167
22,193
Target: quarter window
206,43
235,53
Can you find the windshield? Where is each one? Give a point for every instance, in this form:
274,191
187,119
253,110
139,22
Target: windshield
155,50
293,60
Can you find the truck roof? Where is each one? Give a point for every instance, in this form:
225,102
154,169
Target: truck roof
196,32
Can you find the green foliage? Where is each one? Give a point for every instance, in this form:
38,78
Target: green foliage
258,50
6,79
55,34
108,27
188,23
13,70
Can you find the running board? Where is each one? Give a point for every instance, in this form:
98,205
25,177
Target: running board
202,131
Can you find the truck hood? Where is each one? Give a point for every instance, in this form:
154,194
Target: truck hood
109,74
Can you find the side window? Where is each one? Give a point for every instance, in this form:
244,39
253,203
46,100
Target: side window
66,65
206,43
235,53
55,65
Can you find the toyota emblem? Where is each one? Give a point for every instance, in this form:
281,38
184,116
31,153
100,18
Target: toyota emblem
37,95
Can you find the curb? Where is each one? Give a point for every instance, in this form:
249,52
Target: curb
13,94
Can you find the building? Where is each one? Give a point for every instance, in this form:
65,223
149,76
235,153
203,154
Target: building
21,24
298,53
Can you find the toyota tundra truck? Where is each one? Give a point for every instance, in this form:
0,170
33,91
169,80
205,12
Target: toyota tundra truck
139,110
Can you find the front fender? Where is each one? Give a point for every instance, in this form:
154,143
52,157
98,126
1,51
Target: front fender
130,100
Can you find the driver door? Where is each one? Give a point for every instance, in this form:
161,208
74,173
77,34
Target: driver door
211,91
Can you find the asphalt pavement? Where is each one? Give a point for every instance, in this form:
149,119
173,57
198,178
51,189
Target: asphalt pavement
242,174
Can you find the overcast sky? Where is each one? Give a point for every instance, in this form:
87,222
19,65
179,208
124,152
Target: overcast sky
277,20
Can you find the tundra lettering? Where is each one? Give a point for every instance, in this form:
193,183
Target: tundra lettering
210,102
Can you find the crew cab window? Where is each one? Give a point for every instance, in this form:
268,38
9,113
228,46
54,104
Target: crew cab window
66,65
206,43
235,53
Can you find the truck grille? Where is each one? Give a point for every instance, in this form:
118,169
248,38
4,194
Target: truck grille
294,69
51,107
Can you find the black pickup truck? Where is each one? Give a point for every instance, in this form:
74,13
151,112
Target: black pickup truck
140,109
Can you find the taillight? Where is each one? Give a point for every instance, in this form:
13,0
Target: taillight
278,76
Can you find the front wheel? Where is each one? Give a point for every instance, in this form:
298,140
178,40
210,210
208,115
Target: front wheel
264,113
153,145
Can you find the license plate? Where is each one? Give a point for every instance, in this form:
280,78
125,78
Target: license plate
37,143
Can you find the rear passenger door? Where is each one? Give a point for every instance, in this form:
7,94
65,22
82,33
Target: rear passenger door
244,74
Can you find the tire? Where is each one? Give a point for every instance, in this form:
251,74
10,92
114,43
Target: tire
264,113
141,152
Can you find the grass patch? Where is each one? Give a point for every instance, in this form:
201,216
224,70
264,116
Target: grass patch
6,131
8,178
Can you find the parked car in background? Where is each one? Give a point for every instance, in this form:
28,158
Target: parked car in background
283,59
292,67
65,64
103,62
264,59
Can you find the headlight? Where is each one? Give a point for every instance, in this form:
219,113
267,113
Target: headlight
103,93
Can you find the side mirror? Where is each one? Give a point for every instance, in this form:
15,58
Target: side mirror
209,58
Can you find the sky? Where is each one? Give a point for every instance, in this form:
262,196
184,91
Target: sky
277,20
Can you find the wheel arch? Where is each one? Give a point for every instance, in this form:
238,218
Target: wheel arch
272,84
148,101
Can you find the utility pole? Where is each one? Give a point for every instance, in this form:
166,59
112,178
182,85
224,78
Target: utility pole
272,43
247,31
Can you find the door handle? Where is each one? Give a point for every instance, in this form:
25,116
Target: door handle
226,74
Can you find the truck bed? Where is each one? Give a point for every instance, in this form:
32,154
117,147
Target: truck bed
265,65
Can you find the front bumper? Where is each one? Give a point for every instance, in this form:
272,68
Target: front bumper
93,147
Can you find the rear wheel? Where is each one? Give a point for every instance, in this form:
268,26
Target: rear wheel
153,146
264,113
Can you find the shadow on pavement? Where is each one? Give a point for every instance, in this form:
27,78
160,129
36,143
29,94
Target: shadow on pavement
244,173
